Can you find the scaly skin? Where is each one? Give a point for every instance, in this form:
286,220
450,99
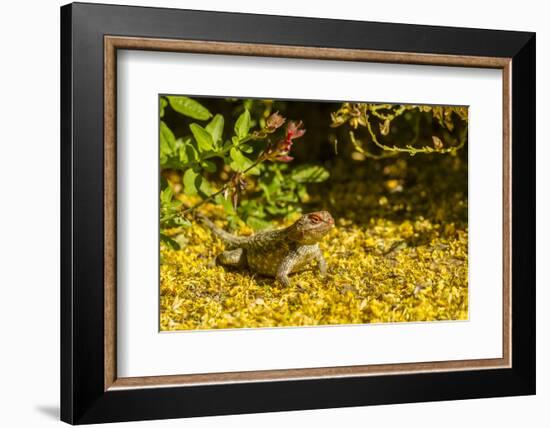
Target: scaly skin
277,253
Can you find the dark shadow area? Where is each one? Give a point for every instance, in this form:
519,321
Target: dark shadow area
365,182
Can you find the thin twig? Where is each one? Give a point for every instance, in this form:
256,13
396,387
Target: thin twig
223,189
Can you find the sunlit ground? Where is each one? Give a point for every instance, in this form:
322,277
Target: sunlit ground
399,253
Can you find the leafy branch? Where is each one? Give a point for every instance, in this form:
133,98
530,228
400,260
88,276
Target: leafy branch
364,115
245,159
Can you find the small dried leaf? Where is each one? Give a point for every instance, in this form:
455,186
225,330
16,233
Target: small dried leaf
385,127
438,144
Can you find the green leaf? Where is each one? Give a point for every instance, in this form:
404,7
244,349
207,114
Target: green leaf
302,192
179,151
215,128
203,137
191,152
247,148
309,174
189,107
203,187
163,182
226,204
254,171
208,166
257,223
276,210
166,136
270,189
287,197
166,196
163,104
249,207
195,184
239,161
167,142
189,178
181,221
242,126
169,242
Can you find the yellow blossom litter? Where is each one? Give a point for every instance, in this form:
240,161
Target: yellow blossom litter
373,277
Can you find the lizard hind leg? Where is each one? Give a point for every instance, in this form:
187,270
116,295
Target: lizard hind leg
232,258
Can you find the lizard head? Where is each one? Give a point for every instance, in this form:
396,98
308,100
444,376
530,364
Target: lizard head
311,228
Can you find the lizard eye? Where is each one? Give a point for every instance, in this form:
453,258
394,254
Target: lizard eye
315,218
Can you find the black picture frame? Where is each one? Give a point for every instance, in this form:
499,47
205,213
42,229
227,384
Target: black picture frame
83,396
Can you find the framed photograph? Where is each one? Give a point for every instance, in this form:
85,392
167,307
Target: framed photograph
265,213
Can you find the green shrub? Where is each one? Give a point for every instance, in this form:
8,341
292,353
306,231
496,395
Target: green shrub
246,170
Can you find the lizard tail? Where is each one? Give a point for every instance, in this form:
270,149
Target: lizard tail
228,238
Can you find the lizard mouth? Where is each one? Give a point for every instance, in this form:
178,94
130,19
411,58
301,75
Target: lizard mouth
328,220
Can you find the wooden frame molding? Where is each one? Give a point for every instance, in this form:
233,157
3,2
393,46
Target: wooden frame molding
113,43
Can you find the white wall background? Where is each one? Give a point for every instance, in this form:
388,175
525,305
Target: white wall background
29,217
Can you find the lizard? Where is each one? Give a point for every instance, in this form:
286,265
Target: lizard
277,253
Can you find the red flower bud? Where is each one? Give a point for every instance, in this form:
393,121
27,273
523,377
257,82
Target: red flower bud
284,158
279,150
293,130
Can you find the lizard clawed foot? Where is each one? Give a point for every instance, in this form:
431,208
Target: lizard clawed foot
283,280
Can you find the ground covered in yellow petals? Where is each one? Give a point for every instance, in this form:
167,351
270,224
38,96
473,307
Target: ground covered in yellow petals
371,279
399,252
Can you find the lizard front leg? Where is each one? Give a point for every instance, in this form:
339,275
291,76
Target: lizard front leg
285,267
321,262
297,256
